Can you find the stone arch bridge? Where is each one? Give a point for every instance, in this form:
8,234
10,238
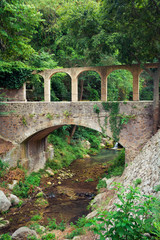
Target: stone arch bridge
23,132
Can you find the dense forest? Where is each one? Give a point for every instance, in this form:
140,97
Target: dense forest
37,35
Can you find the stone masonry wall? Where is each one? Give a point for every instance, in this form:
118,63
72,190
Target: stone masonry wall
145,166
35,120
14,94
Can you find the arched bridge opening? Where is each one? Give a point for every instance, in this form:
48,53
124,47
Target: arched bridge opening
34,149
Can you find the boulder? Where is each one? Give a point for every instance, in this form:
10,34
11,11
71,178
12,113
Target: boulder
4,202
13,199
22,233
86,144
99,199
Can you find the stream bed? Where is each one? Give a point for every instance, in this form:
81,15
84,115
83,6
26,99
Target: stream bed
66,195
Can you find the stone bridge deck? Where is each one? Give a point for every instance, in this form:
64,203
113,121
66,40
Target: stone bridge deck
24,131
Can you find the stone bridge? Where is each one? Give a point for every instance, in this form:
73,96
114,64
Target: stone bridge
24,131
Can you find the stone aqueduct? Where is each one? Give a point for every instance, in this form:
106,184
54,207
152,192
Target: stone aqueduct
24,131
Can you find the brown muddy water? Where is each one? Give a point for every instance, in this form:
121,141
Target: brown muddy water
66,195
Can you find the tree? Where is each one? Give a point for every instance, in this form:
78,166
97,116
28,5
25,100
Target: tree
132,31
18,23
77,25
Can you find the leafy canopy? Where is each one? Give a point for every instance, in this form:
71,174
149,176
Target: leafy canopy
18,23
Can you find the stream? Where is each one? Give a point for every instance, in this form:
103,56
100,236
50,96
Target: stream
66,195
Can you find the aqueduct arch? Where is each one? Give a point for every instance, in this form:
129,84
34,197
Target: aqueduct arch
103,71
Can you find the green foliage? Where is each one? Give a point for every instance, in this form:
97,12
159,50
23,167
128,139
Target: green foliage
76,232
52,225
32,237
77,27
36,218
61,87
130,219
117,167
65,153
43,60
96,109
101,184
48,236
49,116
35,226
116,120
22,189
13,74
91,135
89,180
157,188
24,121
3,168
5,236
137,182
146,86
120,85
67,114
79,227
17,26
126,40
89,86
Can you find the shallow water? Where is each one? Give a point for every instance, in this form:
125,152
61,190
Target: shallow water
67,198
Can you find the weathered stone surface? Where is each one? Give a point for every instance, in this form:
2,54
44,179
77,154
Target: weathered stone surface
50,151
4,202
99,199
86,144
145,167
5,146
29,136
22,233
13,199
11,185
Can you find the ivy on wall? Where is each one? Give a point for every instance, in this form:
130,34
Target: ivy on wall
116,120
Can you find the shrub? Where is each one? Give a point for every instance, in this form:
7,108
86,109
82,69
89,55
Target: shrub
101,184
117,167
53,225
137,182
79,228
49,236
36,218
131,219
22,189
5,236
3,167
